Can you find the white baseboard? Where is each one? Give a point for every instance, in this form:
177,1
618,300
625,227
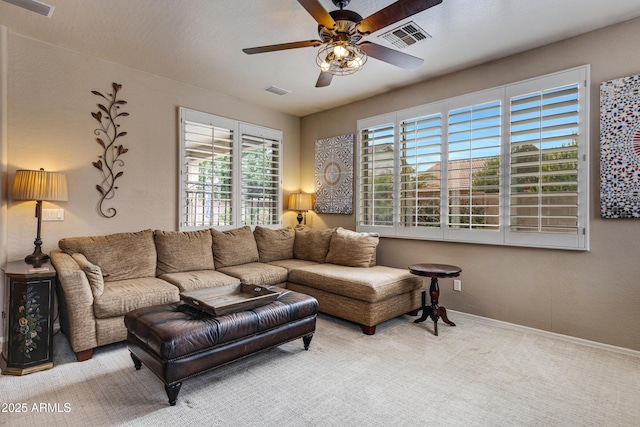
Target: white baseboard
609,347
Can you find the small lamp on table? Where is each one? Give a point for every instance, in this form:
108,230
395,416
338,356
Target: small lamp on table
39,186
301,202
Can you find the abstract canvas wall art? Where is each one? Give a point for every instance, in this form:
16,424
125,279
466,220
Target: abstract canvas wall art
334,175
620,148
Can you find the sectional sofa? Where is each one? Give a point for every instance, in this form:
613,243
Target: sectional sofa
101,278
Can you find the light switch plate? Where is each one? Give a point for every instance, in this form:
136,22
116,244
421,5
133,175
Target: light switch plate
53,214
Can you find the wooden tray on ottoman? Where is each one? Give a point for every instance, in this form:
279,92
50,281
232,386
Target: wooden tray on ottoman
222,300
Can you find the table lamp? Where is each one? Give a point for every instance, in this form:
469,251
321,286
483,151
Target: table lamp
39,186
300,202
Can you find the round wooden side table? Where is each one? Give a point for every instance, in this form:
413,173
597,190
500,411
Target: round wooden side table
434,310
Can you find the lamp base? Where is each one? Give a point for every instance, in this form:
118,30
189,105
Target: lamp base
37,257
299,218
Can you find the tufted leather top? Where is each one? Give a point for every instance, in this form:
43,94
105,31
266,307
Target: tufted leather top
177,329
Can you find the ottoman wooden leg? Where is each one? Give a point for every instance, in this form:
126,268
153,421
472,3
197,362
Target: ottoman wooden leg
172,392
136,362
307,340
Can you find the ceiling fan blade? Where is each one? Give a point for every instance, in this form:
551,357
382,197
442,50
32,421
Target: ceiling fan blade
324,79
282,46
318,12
393,57
393,13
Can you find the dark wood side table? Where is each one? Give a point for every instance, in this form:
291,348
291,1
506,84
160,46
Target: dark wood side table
434,310
28,318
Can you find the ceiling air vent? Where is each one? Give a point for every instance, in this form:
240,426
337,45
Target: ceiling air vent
277,90
34,6
405,35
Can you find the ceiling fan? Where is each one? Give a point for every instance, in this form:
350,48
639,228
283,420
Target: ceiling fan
342,52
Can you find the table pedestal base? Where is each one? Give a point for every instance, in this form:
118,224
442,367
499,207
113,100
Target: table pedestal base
434,310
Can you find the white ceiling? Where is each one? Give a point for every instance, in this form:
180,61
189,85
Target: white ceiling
200,41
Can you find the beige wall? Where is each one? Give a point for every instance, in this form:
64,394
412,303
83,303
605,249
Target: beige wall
593,295
3,147
49,125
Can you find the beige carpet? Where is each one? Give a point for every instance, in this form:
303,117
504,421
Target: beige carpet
475,374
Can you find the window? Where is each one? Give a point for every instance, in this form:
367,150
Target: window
377,175
260,178
230,173
420,160
502,166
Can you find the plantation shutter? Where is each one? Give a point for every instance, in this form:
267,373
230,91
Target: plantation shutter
260,176
230,173
474,167
376,175
507,165
207,174
420,171
544,161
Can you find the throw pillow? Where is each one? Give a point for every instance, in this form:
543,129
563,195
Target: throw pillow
93,273
352,249
234,247
274,245
311,244
180,251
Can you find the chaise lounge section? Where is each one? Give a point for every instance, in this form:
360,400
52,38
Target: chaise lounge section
102,278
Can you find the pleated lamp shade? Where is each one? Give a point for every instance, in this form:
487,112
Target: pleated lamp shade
300,202
40,185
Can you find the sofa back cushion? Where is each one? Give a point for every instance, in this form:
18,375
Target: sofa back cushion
311,244
180,251
120,256
352,249
234,247
274,245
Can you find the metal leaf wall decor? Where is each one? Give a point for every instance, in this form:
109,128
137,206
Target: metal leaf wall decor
107,135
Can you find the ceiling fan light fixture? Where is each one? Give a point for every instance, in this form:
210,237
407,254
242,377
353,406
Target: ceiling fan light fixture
325,66
340,51
340,58
355,63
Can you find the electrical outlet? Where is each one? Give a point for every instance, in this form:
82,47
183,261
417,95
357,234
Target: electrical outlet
457,285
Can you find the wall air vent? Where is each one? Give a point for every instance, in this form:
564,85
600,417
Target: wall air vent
277,90
34,6
405,35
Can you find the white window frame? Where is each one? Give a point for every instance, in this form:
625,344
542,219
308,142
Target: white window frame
578,241
238,129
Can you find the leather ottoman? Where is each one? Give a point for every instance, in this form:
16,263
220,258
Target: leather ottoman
176,341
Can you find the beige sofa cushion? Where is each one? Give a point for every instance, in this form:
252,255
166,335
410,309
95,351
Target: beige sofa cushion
234,247
352,249
198,279
259,274
93,273
122,296
183,251
367,284
120,256
312,244
292,263
274,245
